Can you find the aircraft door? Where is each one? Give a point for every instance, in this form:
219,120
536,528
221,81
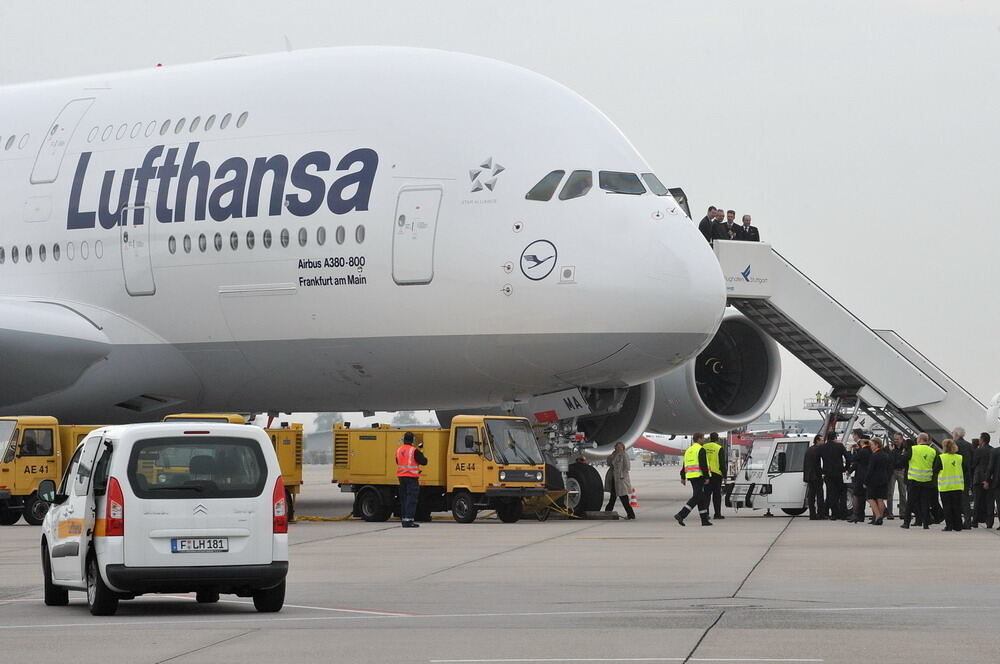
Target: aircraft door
414,232
50,154
137,264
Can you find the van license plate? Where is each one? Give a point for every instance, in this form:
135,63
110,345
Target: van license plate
200,545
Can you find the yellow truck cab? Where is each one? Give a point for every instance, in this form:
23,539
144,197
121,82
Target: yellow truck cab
479,463
32,449
287,440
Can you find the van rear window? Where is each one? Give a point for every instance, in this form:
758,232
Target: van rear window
197,467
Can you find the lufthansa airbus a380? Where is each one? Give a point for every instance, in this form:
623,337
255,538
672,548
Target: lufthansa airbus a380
352,229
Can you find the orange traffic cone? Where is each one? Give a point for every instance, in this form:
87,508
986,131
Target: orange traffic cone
633,499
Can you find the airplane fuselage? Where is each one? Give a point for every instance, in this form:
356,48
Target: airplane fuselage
336,229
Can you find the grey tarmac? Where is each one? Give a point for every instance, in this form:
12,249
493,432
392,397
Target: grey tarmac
749,589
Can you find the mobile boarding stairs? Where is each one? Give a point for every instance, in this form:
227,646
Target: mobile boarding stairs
874,373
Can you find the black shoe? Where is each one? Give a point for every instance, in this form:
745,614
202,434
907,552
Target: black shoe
878,522
679,519
852,520
889,517
707,523
718,516
946,529
926,527
904,525
630,516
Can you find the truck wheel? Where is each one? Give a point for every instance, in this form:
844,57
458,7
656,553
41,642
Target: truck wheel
270,600
371,507
9,515
206,596
54,595
793,511
290,504
101,599
589,488
510,512
35,509
463,509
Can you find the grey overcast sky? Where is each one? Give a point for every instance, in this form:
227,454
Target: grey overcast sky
862,136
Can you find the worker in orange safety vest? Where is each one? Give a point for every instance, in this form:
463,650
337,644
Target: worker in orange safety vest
408,462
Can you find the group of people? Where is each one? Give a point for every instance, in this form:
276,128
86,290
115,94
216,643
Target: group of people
721,224
960,485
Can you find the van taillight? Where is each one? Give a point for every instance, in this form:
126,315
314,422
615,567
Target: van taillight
279,506
114,511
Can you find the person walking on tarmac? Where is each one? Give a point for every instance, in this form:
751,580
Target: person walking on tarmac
695,469
920,478
951,484
408,462
617,481
833,457
812,475
716,454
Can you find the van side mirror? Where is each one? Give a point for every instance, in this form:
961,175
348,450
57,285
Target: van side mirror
47,492
782,462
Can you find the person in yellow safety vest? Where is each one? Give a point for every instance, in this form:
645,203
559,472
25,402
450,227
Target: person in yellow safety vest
695,469
716,454
408,462
920,480
951,483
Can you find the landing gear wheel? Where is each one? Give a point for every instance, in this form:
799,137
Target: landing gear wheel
54,595
206,596
270,600
585,485
9,515
290,504
793,511
463,509
370,506
101,599
35,509
510,512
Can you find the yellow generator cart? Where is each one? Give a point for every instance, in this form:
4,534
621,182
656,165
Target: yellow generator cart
32,449
479,463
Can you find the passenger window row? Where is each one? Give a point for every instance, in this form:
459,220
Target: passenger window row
12,141
579,183
110,132
218,240
29,253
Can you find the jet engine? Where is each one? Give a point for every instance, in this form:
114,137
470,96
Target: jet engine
731,383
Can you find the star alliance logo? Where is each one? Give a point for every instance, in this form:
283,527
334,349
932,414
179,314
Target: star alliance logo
485,175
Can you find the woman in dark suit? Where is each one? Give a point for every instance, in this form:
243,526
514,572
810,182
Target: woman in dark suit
876,480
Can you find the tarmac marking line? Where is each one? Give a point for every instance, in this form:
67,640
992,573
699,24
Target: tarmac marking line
756,564
624,659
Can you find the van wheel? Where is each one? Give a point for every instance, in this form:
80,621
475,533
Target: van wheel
206,597
793,511
510,512
35,509
101,599
462,508
270,600
9,515
371,507
54,595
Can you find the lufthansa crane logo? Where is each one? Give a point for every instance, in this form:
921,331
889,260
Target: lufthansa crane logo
538,259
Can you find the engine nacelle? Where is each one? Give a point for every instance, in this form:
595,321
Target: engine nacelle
731,383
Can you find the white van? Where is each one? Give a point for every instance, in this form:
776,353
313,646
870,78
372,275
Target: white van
167,508
771,476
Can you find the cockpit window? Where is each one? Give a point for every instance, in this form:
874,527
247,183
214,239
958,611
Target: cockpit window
621,183
578,184
654,184
546,187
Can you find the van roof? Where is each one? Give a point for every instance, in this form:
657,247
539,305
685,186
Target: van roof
162,429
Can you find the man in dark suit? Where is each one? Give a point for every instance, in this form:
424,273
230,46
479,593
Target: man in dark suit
965,449
994,485
833,458
728,229
812,474
706,224
980,480
750,233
